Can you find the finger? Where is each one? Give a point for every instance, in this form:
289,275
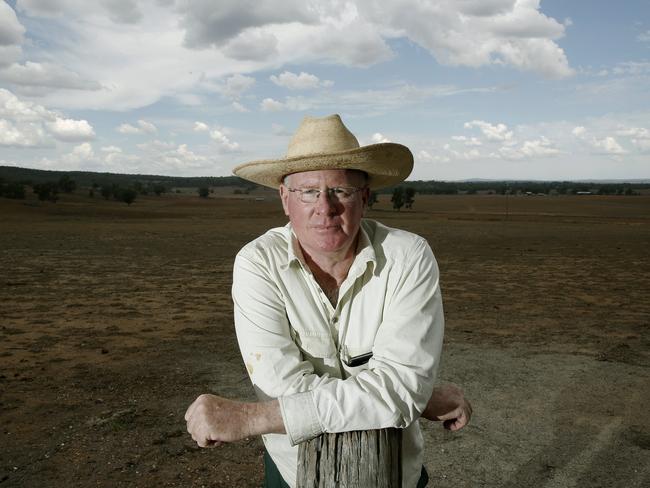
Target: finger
190,410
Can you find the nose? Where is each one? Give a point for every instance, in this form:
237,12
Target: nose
326,204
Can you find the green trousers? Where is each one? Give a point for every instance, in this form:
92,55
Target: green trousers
273,478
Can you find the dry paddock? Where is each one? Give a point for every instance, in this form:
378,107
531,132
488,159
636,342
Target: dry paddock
113,318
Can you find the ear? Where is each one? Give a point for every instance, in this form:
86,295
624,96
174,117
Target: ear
284,196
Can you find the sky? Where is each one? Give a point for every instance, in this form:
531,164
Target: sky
494,89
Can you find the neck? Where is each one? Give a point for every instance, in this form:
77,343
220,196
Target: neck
330,269
335,264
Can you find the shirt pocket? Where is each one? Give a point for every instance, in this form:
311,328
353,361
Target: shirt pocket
316,345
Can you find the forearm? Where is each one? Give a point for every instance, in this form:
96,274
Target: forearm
263,418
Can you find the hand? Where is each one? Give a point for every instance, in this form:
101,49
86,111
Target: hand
448,404
212,420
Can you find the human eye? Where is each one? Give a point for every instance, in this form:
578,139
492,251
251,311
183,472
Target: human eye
310,192
342,192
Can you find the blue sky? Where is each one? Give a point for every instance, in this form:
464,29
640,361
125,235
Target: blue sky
503,89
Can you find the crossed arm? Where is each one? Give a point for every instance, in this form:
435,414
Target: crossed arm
212,420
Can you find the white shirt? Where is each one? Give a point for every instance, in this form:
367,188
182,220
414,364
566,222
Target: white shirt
293,341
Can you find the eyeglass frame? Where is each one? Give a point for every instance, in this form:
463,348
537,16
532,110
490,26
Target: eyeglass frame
330,193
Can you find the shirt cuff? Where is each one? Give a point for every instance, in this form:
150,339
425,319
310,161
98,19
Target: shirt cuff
300,417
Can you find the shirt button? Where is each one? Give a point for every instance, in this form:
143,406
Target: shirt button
335,320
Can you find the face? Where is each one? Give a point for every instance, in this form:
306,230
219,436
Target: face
327,226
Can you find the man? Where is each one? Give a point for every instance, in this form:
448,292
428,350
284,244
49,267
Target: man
339,319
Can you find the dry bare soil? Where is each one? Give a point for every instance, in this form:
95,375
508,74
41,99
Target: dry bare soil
114,318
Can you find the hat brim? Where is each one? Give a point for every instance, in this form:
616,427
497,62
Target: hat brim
386,164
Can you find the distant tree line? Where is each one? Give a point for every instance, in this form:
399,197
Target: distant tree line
86,178
520,187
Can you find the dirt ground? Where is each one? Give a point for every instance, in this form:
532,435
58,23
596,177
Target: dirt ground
114,318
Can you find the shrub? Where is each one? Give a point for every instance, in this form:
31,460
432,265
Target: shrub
204,192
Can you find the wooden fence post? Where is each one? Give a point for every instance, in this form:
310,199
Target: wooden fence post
358,459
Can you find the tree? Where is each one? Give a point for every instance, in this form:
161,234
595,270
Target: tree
106,191
47,191
159,189
204,192
409,197
12,189
372,199
128,195
67,184
398,198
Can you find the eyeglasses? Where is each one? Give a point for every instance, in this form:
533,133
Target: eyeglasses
341,194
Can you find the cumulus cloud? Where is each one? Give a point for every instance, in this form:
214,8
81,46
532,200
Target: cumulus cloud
71,130
223,141
205,25
79,156
11,30
302,81
378,138
498,132
609,145
477,33
143,127
26,124
201,127
579,131
234,86
271,105
639,137
24,135
536,148
114,61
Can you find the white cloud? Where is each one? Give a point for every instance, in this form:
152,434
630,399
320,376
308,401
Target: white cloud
379,138
499,132
302,81
639,137
579,131
201,127
80,155
252,45
478,33
122,60
45,75
71,130
111,149
143,127
467,141
26,124
223,141
271,105
234,86
11,30
28,134
609,145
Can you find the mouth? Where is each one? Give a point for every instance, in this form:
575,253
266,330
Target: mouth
326,227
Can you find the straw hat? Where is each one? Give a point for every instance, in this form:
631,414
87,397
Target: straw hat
325,143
